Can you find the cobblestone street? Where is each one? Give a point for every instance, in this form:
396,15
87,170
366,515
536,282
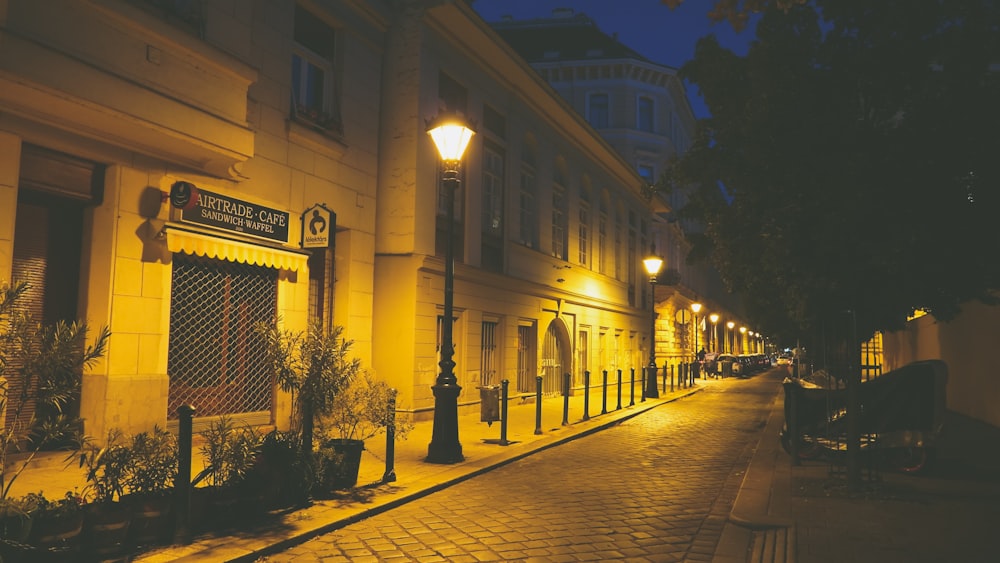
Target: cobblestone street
657,487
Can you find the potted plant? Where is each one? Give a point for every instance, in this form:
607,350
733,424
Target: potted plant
56,524
150,479
230,454
48,361
364,410
314,366
106,518
281,473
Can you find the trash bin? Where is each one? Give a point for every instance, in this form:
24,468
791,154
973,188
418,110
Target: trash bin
695,370
727,369
489,404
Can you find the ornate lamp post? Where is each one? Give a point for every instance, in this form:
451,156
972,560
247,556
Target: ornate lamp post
715,333
743,331
729,335
696,307
451,137
653,265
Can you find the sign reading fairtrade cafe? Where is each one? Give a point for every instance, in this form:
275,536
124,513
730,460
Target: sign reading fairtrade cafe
222,212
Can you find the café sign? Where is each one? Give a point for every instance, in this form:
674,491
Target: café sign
238,216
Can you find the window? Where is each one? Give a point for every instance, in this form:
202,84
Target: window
602,239
452,96
648,173
488,360
644,114
314,101
632,261
584,227
618,242
526,357
493,197
598,111
528,227
559,219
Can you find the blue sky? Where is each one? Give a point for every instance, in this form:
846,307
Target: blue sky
662,35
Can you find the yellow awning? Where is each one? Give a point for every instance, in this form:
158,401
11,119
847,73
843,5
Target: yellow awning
190,242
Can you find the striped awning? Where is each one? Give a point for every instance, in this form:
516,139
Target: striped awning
224,248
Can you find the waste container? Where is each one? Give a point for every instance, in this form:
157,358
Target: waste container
695,370
489,404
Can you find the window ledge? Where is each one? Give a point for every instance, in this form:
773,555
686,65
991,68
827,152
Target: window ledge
325,141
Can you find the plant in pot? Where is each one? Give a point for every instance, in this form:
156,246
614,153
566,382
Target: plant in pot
230,454
281,472
149,480
106,518
364,410
314,367
56,524
41,373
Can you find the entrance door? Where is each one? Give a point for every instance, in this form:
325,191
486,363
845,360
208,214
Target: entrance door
555,357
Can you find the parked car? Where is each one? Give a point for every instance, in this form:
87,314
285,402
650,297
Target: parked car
784,360
728,364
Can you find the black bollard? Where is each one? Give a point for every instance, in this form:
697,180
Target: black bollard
565,421
664,377
538,404
586,395
604,393
631,387
643,395
390,442
671,379
619,390
503,411
182,481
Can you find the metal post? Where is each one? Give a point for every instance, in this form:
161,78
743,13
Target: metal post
643,399
503,411
671,379
651,390
390,442
619,390
631,387
565,420
182,481
586,395
444,446
604,393
664,377
538,404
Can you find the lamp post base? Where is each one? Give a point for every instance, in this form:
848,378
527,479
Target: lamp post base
445,447
651,391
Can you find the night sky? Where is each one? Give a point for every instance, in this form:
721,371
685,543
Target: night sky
662,35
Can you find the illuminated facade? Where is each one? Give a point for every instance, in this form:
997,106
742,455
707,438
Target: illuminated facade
270,123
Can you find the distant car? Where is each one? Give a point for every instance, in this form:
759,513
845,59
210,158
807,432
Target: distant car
784,360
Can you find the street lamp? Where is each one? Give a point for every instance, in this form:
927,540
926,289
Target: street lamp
743,331
653,265
451,137
696,307
729,336
715,333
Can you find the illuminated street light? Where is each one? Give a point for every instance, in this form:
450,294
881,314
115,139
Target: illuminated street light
743,331
653,265
451,137
730,336
715,333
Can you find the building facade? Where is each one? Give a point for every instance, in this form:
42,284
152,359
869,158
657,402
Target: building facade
181,172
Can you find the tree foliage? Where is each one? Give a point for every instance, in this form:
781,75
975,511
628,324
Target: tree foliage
850,161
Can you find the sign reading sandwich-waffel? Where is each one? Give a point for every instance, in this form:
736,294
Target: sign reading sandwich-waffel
230,214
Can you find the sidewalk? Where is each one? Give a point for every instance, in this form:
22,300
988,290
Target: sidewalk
805,513
414,476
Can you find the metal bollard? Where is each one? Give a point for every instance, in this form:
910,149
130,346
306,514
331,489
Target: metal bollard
390,441
671,379
565,421
538,404
631,387
503,412
182,481
643,399
619,390
586,395
664,377
604,393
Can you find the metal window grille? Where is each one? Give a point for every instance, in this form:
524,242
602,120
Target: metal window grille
551,362
216,360
525,359
488,367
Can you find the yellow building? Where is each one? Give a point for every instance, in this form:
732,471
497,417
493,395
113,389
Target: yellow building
179,171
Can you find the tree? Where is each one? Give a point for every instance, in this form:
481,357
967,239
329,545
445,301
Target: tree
855,148
738,12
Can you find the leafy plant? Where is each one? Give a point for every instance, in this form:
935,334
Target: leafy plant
48,361
364,410
107,467
153,462
230,453
314,367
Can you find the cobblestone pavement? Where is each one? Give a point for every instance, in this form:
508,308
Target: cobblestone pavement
657,487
